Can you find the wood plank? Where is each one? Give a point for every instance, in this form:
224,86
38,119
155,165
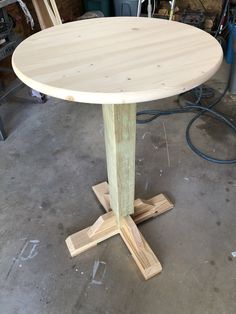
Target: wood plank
151,208
120,137
56,12
50,12
139,248
47,13
101,190
42,14
89,237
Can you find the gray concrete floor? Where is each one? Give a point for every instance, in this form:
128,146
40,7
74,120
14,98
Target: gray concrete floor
52,157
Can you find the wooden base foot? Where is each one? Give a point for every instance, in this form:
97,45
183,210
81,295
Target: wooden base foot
143,255
106,226
143,209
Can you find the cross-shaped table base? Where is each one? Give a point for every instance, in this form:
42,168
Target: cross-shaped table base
106,226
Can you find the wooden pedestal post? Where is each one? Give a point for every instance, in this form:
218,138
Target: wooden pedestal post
120,137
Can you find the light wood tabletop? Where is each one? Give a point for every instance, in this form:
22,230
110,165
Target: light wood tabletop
117,60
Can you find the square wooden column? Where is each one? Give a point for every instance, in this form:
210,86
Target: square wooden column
120,138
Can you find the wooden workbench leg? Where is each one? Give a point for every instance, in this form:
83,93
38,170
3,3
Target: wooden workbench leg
120,137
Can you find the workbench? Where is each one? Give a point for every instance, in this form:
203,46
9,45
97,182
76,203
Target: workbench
118,62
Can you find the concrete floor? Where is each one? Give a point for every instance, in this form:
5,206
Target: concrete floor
52,157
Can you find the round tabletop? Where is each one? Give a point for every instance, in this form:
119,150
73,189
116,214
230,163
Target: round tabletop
117,60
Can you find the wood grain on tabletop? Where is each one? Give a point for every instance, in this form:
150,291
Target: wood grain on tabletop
117,60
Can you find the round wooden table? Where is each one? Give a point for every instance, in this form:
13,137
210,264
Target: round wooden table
118,62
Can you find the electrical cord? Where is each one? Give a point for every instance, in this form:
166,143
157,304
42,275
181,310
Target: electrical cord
199,93
219,117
